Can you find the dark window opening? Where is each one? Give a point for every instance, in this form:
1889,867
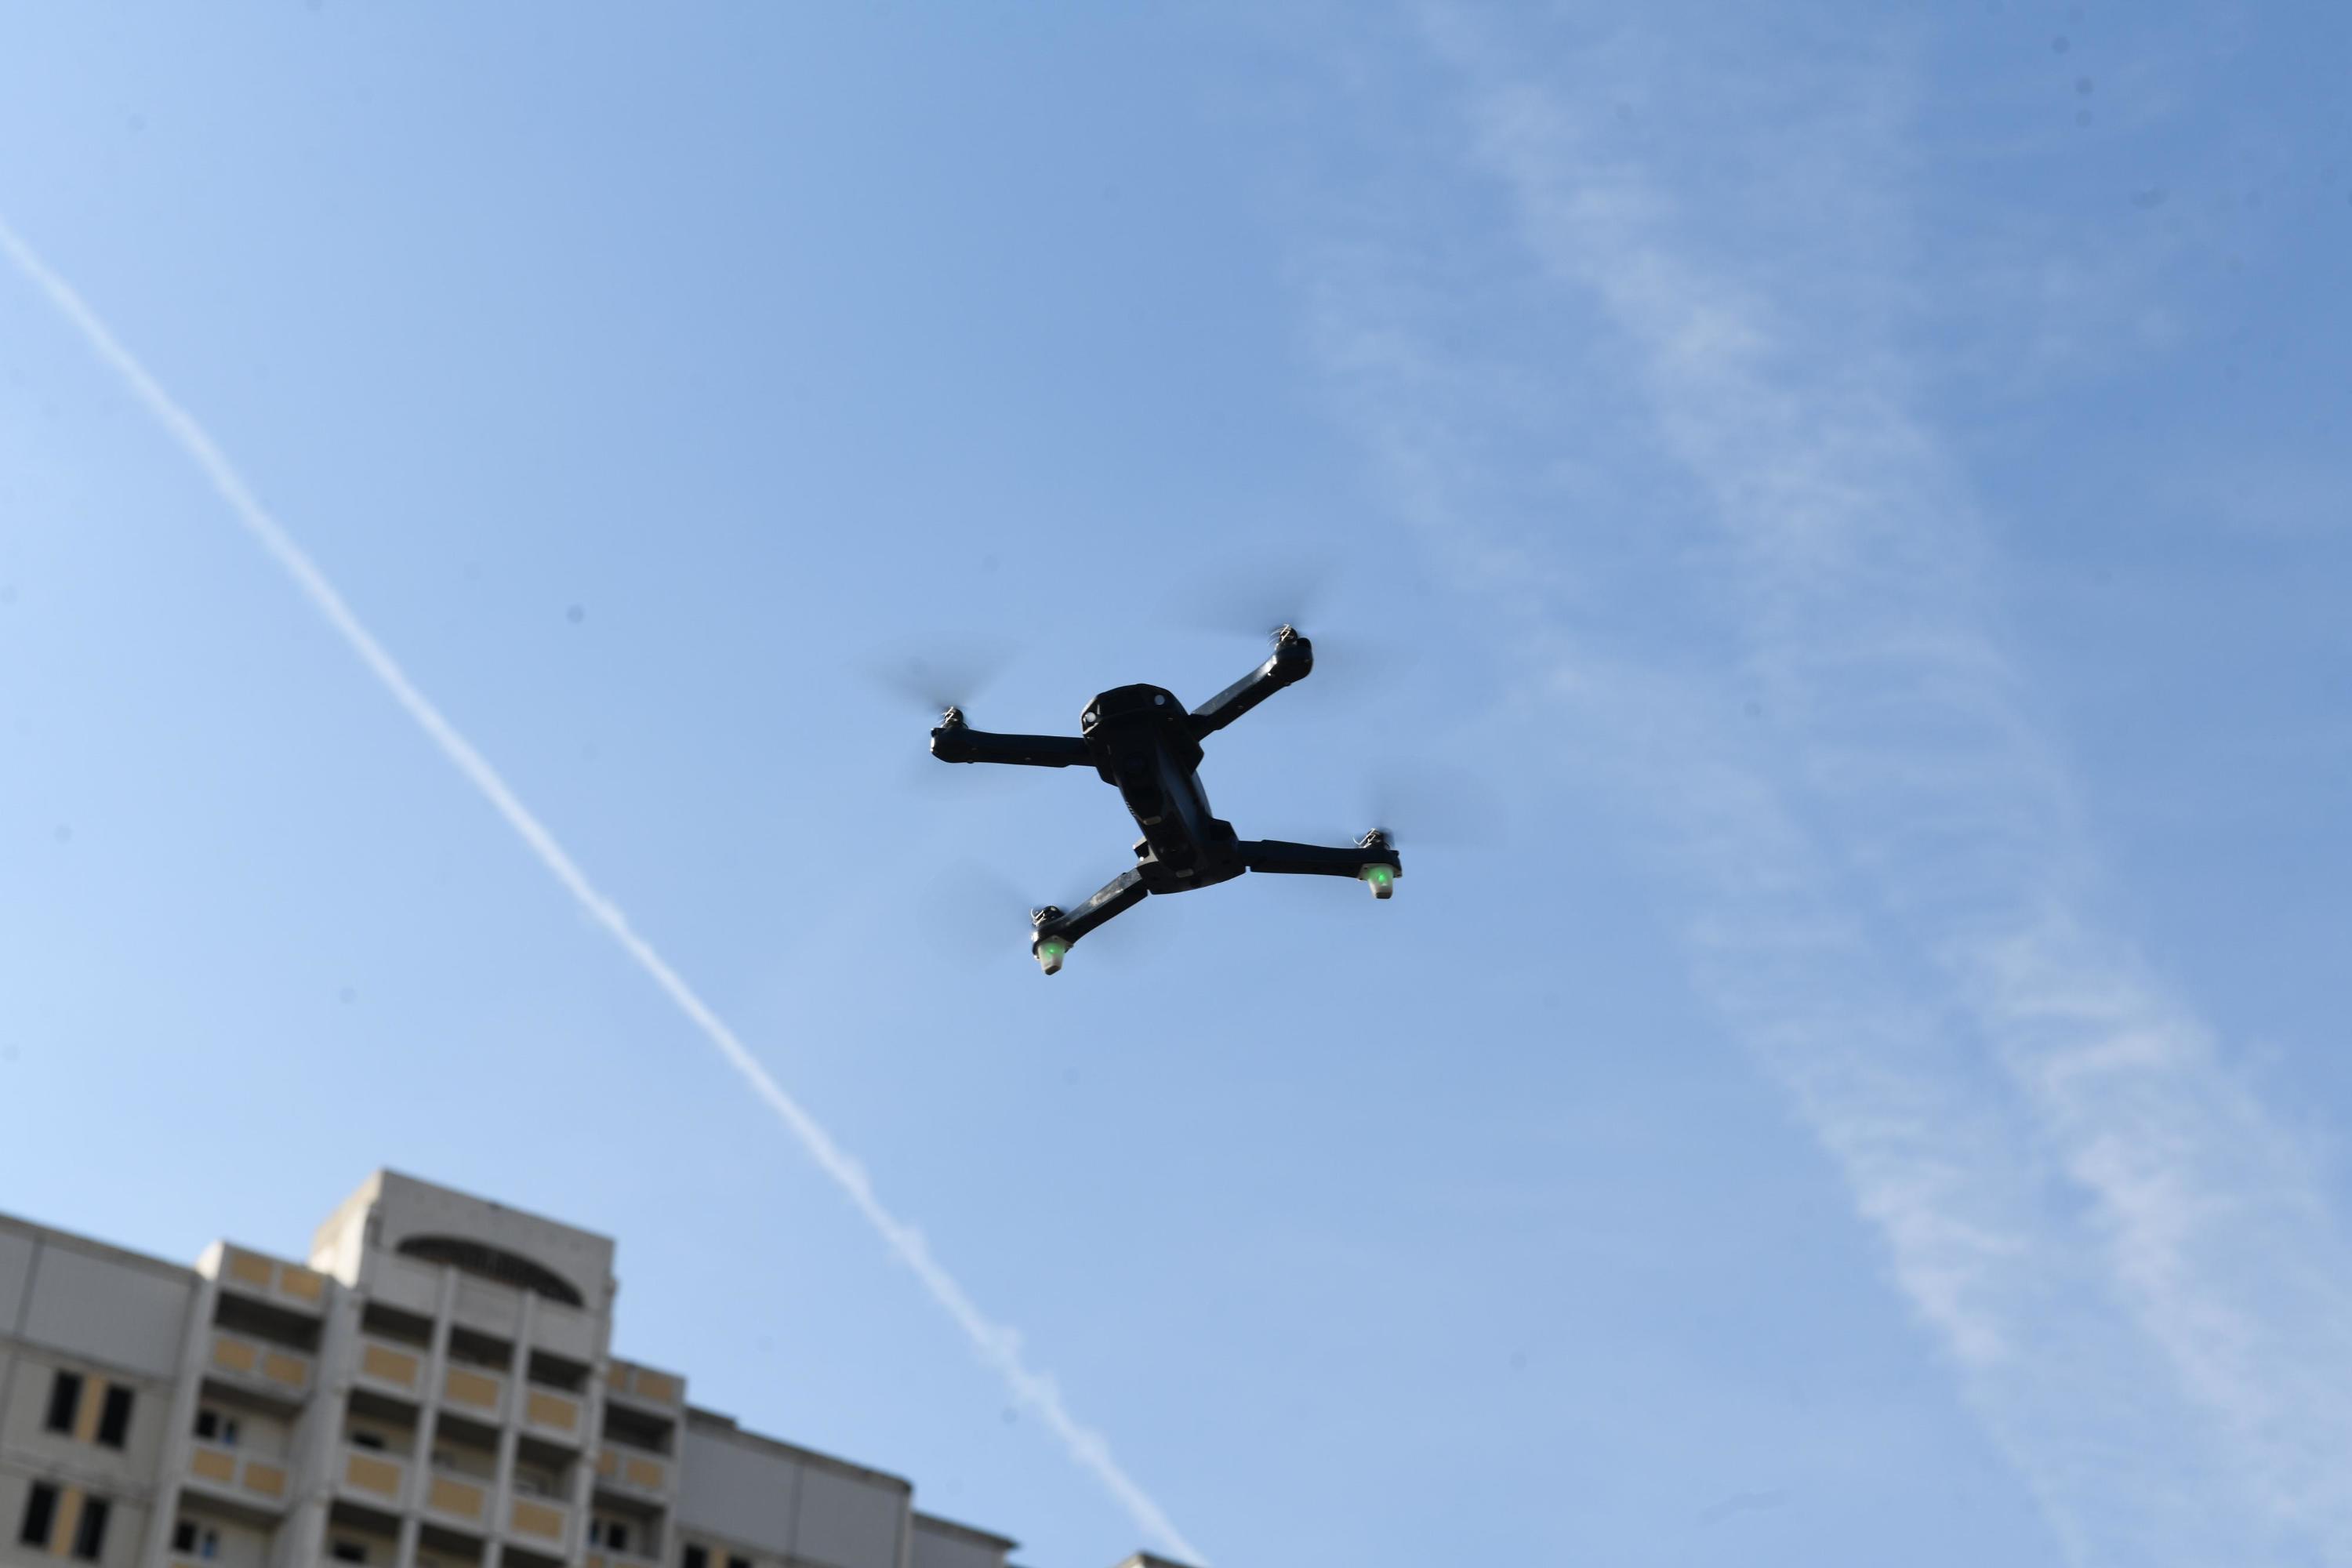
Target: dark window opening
40,1512
734,1562
695,1557
89,1535
367,1440
493,1263
348,1552
212,1426
115,1420
65,1399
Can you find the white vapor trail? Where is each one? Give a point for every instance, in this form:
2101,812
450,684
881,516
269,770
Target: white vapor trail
2131,1263
997,1345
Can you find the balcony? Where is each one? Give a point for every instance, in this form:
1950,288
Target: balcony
644,1385
286,1285
626,1470
461,1499
554,1416
476,1391
392,1368
260,1367
607,1557
538,1522
372,1476
246,1478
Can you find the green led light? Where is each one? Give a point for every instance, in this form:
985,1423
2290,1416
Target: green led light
1053,947
1378,875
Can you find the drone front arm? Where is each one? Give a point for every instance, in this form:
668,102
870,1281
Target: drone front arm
1057,930
1292,660
957,743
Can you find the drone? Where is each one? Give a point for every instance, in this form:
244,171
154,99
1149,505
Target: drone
1140,741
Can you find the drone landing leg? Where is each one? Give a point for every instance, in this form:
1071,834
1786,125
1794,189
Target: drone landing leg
1058,930
1373,860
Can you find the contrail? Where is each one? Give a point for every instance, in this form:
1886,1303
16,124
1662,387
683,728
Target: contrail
997,1345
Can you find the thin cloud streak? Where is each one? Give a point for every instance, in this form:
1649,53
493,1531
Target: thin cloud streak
2130,1261
997,1345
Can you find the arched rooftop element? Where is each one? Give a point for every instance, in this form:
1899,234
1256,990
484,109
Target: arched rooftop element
492,1263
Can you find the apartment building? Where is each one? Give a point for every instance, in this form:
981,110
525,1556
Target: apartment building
432,1387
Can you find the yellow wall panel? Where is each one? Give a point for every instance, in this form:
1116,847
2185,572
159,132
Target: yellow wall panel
289,1370
234,1354
658,1387
538,1519
553,1410
63,1524
380,1477
472,1388
392,1365
644,1473
213,1465
302,1284
266,1479
93,1404
249,1269
456,1497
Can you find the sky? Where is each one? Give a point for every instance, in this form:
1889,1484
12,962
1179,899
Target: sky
1827,536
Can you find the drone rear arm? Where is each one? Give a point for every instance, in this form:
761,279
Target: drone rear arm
1292,660
955,742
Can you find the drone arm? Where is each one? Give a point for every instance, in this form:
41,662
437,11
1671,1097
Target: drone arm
1373,860
1292,660
1059,930
957,743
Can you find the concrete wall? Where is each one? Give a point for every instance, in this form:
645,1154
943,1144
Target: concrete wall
114,1321
747,1491
938,1544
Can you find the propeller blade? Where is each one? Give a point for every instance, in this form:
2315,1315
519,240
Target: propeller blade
939,674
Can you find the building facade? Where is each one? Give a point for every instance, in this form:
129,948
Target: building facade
433,1387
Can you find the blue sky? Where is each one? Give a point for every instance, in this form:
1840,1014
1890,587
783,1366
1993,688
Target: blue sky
1847,1078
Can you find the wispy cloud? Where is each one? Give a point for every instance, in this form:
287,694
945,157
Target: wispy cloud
2131,1265
997,1345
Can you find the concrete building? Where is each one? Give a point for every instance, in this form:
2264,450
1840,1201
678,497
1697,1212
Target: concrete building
433,1387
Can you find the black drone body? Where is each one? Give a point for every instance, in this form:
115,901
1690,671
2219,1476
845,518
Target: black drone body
1140,741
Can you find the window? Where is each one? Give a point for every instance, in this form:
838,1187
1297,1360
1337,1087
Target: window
695,1557
373,1440
610,1533
89,1535
65,1399
190,1539
40,1512
215,1427
733,1562
115,1420
348,1552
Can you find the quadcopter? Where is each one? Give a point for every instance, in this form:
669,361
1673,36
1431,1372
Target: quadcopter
1140,741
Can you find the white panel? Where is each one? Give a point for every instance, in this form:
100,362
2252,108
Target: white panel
109,1312
735,1490
938,1549
15,1269
846,1523
400,1283
493,1309
566,1332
